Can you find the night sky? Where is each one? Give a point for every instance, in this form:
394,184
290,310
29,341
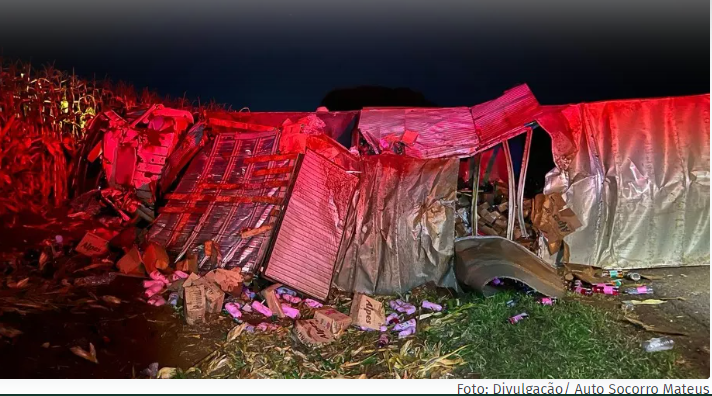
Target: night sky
287,55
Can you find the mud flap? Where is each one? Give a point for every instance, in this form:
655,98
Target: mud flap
478,260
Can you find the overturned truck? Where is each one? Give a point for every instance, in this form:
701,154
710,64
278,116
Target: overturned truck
441,195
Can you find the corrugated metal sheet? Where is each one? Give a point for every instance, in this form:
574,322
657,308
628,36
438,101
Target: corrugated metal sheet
441,133
637,175
305,248
505,117
233,184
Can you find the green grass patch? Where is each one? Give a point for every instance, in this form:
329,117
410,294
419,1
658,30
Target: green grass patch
471,339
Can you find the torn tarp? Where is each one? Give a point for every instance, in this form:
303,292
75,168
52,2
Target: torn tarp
401,233
636,173
231,187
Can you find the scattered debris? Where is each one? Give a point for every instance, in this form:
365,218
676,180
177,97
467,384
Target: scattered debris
644,302
236,331
658,344
639,290
517,318
90,356
9,332
367,312
311,333
333,320
111,299
93,245
151,371
654,329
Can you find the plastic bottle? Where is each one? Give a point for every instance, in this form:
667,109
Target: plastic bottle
639,290
658,344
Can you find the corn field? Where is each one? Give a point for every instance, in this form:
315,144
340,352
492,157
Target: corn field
44,114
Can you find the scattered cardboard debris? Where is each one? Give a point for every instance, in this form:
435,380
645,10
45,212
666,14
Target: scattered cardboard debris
311,333
272,300
333,320
367,312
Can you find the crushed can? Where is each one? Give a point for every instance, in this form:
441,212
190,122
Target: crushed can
517,318
605,289
639,290
583,291
634,276
383,340
547,300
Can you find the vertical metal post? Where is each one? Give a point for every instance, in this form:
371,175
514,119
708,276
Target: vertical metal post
511,204
522,180
475,177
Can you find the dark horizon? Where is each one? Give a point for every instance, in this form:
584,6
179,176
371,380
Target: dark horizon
281,56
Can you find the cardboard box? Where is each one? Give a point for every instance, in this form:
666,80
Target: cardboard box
553,219
311,333
93,245
272,300
194,304
155,257
230,281
213,295
131,263
367,312
189,264
333,320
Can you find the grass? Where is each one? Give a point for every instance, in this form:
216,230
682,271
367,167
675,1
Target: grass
472,339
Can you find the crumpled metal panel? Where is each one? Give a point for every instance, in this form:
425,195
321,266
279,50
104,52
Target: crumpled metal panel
336,122
481,259
505,117
233,184
400,234
442,133
187,148
306,245
136,149
639,180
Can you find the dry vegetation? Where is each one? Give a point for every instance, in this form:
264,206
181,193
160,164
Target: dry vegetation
44,114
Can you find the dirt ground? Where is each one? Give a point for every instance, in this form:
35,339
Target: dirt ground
691,315
132,335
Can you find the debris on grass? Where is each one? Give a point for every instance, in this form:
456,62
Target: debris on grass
90,355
